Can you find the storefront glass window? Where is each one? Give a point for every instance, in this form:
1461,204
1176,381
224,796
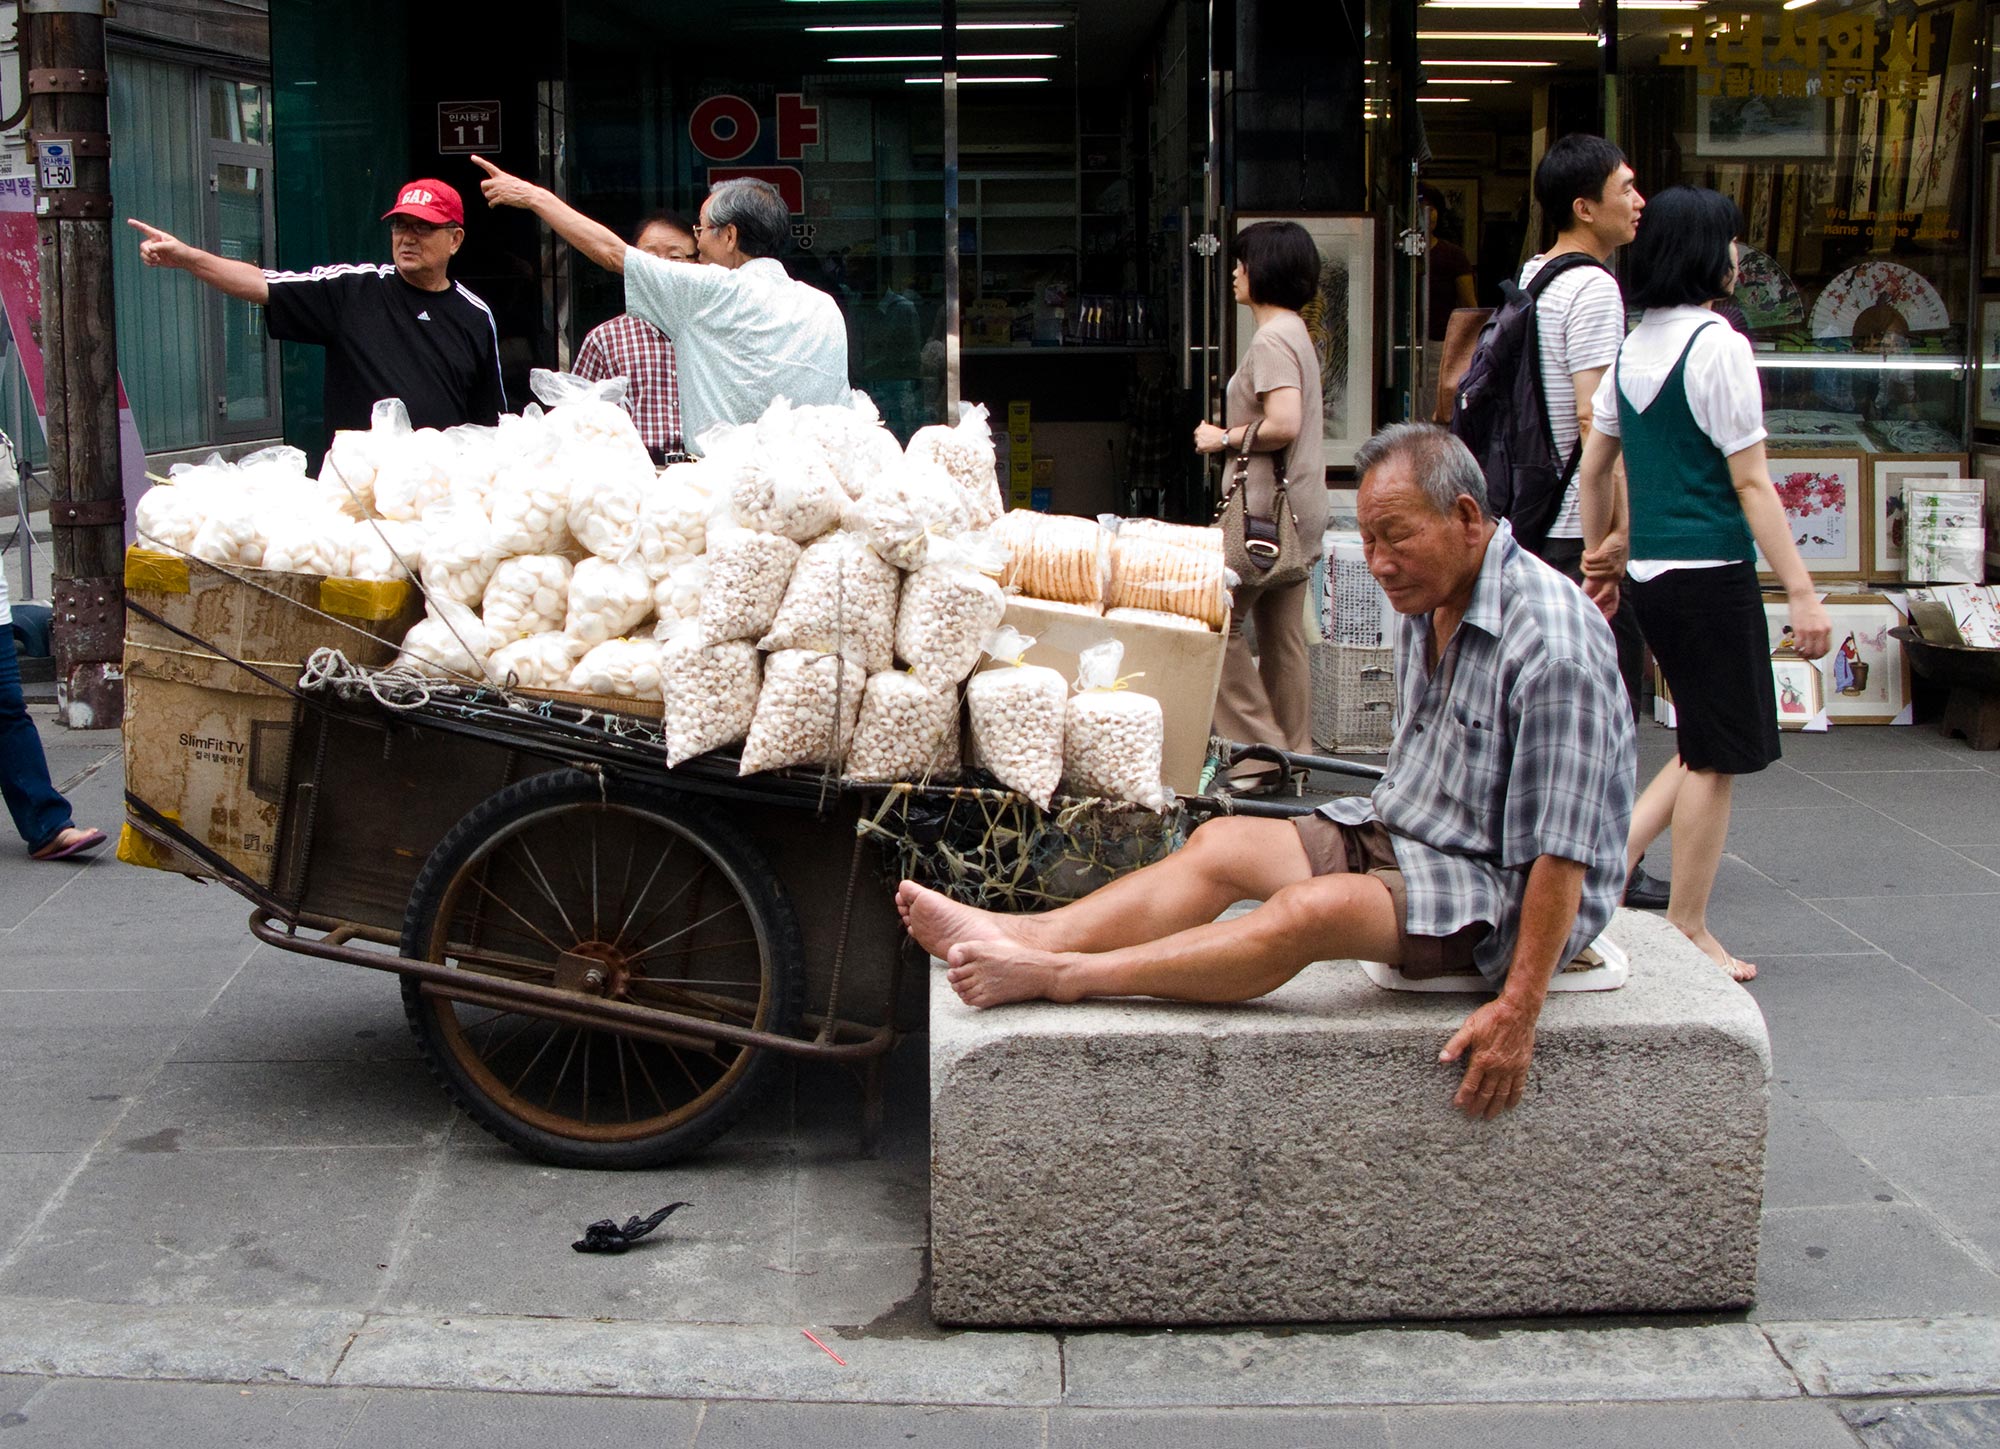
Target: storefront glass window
1847,138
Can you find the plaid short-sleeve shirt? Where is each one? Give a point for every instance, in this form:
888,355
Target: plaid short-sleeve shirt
638,352
1519,745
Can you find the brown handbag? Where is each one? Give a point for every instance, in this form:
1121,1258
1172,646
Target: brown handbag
1262,551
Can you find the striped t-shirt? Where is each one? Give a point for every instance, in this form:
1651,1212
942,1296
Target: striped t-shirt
1581,321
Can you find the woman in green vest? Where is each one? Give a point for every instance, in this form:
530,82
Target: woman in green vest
1678,543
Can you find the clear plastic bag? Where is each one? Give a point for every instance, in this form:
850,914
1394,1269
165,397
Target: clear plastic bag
415,476
383,548
904,507
303,536
842,597
527,596
747,575
606,601
459,553
906,731
966,452
448,643
850,436
622,668
1055,556
1113,737
530,502
539,661
1015,715
806,712
709,692
785,488
677,597
673,519
949,607
357,454
1148,574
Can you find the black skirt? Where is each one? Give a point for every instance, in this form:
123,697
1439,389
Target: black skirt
1706,627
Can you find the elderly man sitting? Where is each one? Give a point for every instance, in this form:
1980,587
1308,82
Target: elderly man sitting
1495,840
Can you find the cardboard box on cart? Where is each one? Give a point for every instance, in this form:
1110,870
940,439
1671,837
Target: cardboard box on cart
1181,668
207,742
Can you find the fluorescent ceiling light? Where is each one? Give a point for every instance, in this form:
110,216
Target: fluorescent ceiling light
963,25
928,59
1570,8
1444,100
1469,80
978,80
1455,36
1844,362
1492,64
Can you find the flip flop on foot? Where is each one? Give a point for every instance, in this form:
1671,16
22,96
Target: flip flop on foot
70,841
1738,969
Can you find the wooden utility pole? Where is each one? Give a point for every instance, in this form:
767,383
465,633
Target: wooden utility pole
62,42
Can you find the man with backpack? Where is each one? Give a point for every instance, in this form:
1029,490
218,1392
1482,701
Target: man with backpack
1524,403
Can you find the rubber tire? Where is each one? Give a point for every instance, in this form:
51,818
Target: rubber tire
727,845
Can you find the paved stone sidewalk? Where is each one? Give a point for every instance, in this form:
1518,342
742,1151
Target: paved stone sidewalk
234,1207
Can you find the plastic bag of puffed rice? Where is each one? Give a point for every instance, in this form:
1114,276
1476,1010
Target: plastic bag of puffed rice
384,548
448,643
782,486
625,668
1016,718
967,454
606,600
530,499
907,730
842,597
949,607
1113,737
460,556
677,595
806,712
903,507
709,691
527,595
673,519
540,661
747,575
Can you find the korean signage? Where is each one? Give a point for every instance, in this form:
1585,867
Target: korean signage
729,133
1794,54
465,127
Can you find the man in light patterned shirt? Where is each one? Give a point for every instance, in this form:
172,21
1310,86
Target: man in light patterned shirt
639,352
1495,839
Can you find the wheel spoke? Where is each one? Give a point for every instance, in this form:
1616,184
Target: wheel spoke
644,891
548,891
624,1084
644,952
535,1060
507,906
563,1070
645,1071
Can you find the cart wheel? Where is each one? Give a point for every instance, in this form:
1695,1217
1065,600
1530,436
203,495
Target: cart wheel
626,891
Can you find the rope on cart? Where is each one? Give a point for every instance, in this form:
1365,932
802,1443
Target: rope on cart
393,688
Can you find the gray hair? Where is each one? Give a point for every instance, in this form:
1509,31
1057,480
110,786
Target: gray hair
1442,467
762,221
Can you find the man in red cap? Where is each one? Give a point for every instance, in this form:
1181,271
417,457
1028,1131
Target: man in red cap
406,331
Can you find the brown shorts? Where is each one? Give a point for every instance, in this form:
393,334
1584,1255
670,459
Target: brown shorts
1336,849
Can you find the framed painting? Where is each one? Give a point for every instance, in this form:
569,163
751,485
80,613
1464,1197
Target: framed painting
1822,497
1986,467
1797,684
1777,126
1864,678
1341,319
1986,401
1887,472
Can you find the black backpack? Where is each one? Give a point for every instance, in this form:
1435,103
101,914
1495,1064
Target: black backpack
1499,412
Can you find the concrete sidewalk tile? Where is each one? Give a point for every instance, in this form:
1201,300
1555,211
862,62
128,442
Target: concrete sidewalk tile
217,1105
1479,1364
857,1203
494,1236
1852,1027
27,885
148,1223
741,1425
1850,852
1925,1425
1939,1150
101,1414
1986,855
1955,807
701,1360
857,1286
1753,918
1791,1425
394,1419
1782,787
60,1337
1218,1429
1839,751
1880,1261
16,1390
284,1008
1948,941
116,966
1892,1356
1807,1165
27,1181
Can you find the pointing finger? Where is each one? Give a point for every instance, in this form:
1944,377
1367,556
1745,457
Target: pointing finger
153,233
487,166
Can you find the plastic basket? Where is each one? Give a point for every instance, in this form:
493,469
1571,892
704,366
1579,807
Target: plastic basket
1353,697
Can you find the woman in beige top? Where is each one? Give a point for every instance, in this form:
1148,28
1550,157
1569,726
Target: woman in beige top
1268,700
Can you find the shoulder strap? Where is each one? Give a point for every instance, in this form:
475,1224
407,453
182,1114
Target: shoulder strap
1556,266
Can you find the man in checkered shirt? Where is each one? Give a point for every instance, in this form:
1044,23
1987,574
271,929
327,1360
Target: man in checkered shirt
1495,840
640,353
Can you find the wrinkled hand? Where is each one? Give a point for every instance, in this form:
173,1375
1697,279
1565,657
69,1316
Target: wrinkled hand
160,248
501,189
1604,593
1208,438
1497,1043
1812,631
1607,560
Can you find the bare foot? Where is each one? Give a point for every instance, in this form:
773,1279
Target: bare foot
1738,970
993,973
937,922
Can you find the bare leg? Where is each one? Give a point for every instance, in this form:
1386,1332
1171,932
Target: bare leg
1701,828
1236,960
1653,811
1225,861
